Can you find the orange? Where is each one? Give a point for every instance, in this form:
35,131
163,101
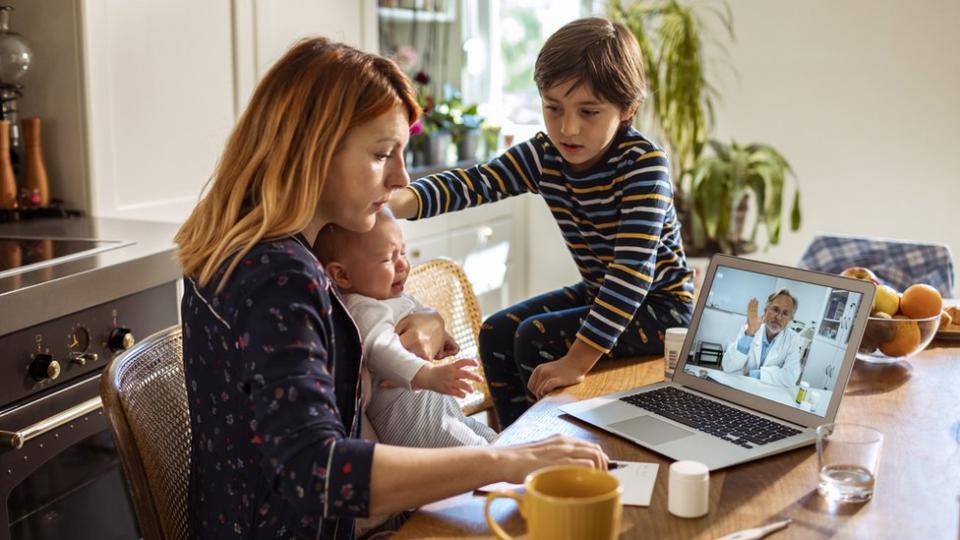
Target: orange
906,339
921,301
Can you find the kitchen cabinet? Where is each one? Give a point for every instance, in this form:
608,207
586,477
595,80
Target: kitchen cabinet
138,96
489,242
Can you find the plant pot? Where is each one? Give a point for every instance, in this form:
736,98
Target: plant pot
436,148
468,145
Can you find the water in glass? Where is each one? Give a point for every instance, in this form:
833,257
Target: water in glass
847,483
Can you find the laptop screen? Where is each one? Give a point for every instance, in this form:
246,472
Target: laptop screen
774,338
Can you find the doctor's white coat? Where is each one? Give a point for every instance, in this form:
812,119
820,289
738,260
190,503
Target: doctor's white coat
782,365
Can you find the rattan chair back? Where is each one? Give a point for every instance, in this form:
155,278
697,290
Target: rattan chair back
442,285
145,399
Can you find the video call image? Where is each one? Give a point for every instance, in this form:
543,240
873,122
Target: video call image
775,338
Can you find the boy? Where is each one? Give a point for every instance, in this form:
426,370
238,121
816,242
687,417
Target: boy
370,269
608,188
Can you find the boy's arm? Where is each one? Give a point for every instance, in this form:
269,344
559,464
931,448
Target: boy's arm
514,172
383,352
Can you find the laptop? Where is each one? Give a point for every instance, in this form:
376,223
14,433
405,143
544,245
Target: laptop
723,406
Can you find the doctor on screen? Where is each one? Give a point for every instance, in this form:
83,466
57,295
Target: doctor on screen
766,349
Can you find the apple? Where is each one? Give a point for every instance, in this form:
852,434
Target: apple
859,272
887,300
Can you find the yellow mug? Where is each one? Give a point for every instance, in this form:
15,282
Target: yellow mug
565,502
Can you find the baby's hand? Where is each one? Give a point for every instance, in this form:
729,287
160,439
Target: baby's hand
451,379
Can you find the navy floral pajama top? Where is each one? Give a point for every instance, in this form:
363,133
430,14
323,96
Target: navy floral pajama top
272,367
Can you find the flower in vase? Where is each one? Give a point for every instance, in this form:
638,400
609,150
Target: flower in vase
422,78
416,128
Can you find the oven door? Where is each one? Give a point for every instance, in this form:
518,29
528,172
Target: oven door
65,480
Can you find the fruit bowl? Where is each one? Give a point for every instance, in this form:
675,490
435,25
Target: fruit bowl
886,341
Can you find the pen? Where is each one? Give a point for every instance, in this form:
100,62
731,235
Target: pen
611,465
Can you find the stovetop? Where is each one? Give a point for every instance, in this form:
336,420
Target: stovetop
19,255
53,267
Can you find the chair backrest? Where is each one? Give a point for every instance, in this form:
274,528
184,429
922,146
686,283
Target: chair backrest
145,399
898,263
442,285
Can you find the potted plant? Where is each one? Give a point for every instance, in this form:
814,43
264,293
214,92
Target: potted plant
734,173
679,115
465,127
435,137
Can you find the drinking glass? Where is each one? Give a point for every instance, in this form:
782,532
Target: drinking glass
848,456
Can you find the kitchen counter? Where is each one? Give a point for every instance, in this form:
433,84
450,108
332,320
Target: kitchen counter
141,259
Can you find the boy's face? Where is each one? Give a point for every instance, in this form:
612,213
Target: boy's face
579,123
376,264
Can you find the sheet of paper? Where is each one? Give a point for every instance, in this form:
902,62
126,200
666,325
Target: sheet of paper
636,478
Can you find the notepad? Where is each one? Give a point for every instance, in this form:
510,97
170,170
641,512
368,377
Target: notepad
636,478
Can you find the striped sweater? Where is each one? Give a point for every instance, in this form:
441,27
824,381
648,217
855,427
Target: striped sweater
617,218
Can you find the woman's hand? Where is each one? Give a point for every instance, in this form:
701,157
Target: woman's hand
521,460
423,333
753,317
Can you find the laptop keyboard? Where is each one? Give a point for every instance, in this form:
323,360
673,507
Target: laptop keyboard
730,424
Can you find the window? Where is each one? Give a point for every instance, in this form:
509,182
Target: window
514,32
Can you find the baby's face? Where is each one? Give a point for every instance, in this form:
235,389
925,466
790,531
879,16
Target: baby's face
377,263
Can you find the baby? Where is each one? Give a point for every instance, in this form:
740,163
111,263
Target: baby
370,269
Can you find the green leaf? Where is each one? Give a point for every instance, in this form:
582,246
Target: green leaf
795,218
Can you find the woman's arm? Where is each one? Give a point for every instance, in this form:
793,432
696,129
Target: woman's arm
424,334
405,478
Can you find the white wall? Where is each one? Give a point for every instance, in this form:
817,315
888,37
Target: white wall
863,98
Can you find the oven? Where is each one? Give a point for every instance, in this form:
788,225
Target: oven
60,475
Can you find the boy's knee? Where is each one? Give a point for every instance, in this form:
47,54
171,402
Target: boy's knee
497,328
530,330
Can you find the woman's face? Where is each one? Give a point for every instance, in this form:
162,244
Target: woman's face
365,171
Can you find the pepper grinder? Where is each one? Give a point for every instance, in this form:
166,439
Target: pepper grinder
15,60
8,183
35,179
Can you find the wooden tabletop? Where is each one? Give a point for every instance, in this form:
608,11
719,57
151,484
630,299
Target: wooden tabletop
915,403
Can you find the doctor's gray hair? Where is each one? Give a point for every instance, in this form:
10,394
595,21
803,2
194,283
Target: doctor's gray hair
784,292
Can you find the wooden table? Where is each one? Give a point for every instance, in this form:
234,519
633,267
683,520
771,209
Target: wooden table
916,403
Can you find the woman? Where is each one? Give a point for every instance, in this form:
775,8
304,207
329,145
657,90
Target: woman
271,357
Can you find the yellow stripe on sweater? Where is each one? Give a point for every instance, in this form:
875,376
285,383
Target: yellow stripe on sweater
632,272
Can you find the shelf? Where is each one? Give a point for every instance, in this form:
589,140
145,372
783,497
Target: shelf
409,15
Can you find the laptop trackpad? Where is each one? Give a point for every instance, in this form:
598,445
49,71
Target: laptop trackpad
650,430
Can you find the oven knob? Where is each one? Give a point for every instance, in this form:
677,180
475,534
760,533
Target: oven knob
120,339
43,367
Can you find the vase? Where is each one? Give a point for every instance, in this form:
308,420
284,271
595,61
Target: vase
35,178
468,145
436,148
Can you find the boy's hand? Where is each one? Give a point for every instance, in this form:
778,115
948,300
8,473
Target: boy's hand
548,377
451,379
568,370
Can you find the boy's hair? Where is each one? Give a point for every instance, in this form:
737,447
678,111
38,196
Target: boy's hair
333,240
598,52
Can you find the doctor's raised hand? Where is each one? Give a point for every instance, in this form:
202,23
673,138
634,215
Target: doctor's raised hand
753,317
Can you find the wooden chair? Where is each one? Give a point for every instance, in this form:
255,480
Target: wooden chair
145,399
442,285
